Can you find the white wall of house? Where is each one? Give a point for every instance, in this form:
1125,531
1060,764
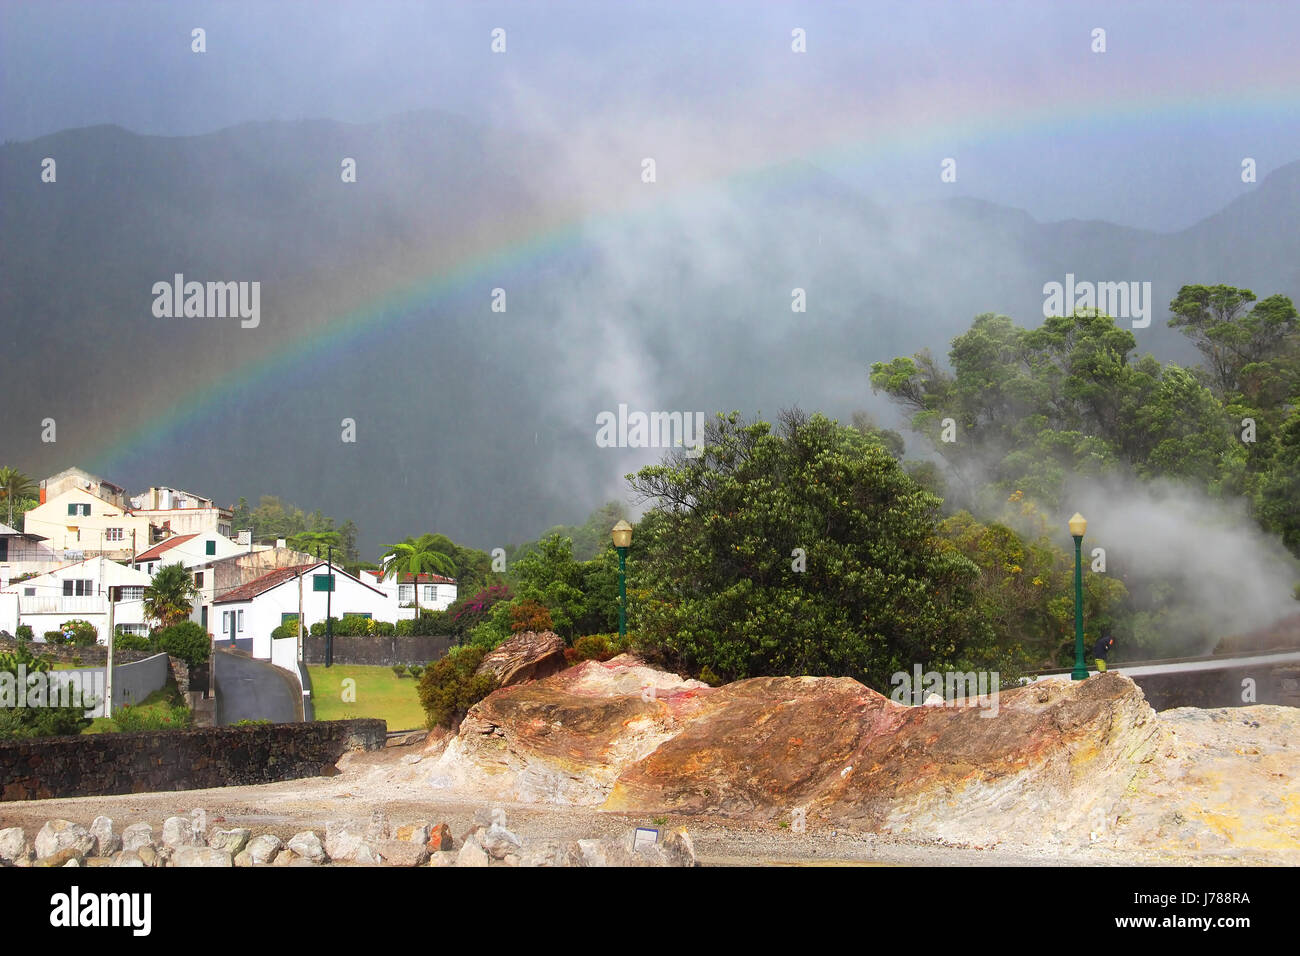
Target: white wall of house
97,526
433,597
264,613
43,602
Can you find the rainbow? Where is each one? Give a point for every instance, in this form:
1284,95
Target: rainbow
964,124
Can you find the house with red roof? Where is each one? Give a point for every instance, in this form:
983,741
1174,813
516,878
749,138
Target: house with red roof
246,615
437,592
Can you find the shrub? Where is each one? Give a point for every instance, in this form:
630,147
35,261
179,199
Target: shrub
399,670
132,720
132,642
449,687
21,722
186,641
250,723
78,633
53,637
466,613
287,628
594,647
529,615
416,670
24,632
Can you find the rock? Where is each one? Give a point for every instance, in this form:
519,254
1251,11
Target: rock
593,853
551,853
439,838
263,849
97,861
498,841
442,858
526,656
414,833
347,841
200,856
308,845
402,853
59,835
284,858
128,858
60,857
471,854
73,862
199,823
147,855
13,845
136,836
242,858
232,840
179,831
412,759
379,827
106,841
679,849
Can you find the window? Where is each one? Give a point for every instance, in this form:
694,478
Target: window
78,587
240,625
365,614
405,593
29,592
225,622
431,592
210,547
322,582
198,579
132,593
133,629
79,509
112,534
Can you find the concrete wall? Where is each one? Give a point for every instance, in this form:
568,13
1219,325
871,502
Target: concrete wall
170,760
378,650
132,682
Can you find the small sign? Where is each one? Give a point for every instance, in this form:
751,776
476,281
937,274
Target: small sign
645,837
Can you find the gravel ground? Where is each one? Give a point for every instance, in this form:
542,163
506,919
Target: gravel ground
394,780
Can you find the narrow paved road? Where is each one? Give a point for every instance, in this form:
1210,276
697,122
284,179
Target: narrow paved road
253,690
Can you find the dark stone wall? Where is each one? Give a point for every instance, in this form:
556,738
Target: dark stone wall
96,656
1273,684
412,649
104,764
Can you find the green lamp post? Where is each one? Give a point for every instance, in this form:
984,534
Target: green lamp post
622,535
1078,525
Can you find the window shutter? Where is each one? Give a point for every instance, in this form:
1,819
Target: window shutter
322,582
72,509
212,547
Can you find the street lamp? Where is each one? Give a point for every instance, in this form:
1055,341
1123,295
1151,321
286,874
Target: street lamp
1078,525
622,535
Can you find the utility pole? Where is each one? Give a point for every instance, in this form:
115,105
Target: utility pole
300,647
108,667
329,619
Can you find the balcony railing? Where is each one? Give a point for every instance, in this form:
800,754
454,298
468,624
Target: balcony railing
90,604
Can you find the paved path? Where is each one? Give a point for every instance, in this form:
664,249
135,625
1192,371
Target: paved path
253,690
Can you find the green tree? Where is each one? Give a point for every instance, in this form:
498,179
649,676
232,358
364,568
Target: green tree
804,549
14,486
186,641
1247,351
428,554
22,722
169,597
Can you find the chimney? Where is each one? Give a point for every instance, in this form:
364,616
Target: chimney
245,538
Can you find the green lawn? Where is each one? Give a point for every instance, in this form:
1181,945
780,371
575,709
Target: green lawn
162,699
378,693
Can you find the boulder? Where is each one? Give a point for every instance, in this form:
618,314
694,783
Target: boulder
232,840
148,855
200,856
439,838
308,845
136,836
13,846
106,841
402,853
262,849
414,833
526,656
551,853
179,831
498,841
128,858
348,841
471,854
59,835
285,858
61,857
442,858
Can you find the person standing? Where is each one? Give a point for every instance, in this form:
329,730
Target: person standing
1105,644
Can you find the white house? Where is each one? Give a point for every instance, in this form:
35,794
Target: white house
191,550
77,591
437,593
79,519
172,511
254,610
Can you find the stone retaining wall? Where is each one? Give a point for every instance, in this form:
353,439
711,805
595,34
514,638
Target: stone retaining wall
103,764
395,649
95,656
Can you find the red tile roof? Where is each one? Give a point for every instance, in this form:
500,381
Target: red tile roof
246,592
424,578
162,547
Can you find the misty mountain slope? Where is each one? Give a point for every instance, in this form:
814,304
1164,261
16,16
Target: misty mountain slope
477,423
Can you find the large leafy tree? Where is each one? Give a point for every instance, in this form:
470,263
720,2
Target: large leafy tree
1246,349
427,554
168,599
799,549
14,486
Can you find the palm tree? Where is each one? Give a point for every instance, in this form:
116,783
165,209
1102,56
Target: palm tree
416,556
13,486
168,598
314,542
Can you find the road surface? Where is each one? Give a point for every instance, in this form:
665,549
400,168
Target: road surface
253,690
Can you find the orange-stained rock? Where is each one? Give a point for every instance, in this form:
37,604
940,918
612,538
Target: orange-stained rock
526,656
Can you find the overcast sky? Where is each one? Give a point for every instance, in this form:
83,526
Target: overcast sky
1150,133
